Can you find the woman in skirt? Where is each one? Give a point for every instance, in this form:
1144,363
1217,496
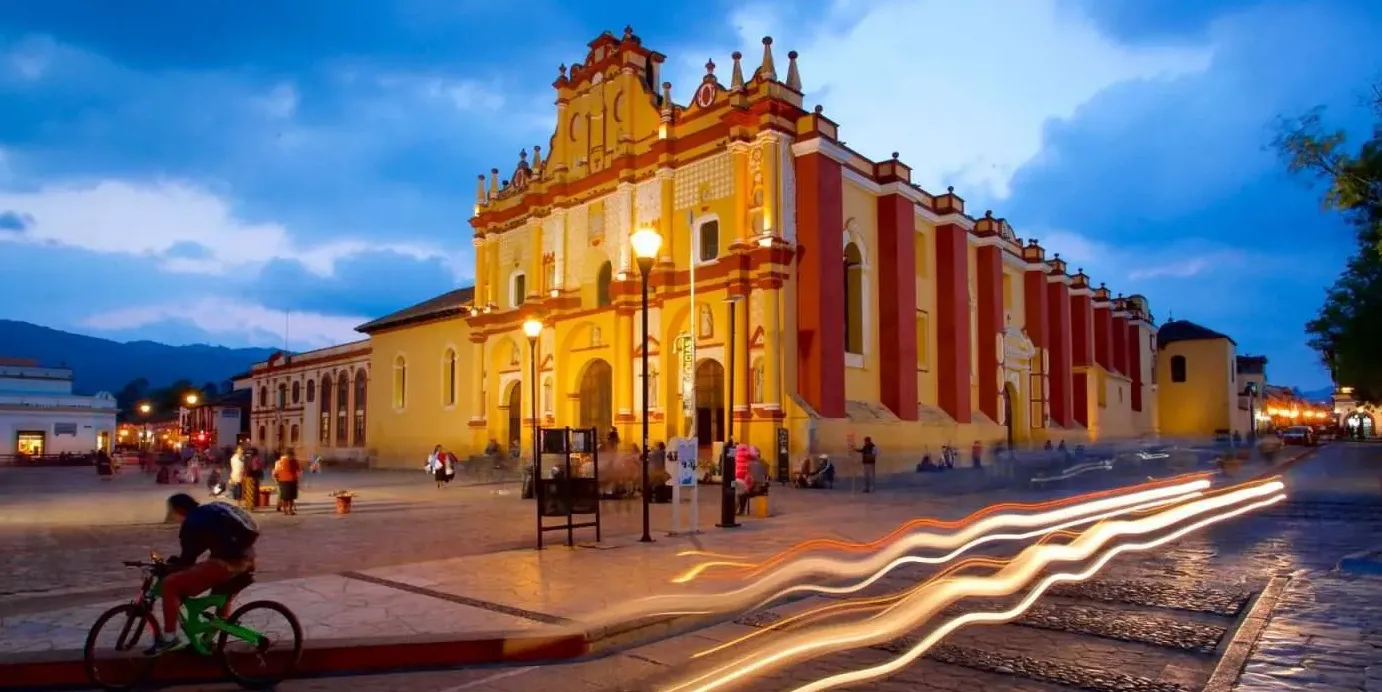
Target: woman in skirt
287,473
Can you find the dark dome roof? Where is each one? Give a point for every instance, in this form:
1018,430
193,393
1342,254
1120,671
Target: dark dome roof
1185,330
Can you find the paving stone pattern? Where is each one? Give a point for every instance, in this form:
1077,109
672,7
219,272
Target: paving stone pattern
1189,597
1056,672
1141,628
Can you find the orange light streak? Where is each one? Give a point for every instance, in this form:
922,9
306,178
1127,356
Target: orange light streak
908,614
854,546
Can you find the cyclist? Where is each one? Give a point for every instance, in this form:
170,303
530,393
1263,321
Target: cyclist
228,533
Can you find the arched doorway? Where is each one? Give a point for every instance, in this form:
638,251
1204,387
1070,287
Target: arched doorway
1009,424
710,402
597,397
515,399
1360,425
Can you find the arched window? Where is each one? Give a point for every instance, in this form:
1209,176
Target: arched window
448,377
1177,368
518,289
297,392
311,391
709,240
342,409
293,434
324,433
361,383
400,382
854,299
282,401
602,284
282,439
263,435
263,397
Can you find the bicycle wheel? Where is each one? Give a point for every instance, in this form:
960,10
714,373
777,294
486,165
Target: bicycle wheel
127,666
274,658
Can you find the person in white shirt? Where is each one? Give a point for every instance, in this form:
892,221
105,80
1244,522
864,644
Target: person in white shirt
237,474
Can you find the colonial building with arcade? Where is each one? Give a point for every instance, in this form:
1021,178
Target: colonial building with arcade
798,285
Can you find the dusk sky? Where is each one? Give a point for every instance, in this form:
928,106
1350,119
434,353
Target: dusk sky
189,171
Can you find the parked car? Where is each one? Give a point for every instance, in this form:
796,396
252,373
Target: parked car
1298,435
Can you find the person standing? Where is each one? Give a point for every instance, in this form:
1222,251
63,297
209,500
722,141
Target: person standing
868,454
237,475
287,472
254,470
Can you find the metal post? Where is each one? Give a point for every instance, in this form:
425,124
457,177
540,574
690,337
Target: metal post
645,264
537,458
727,520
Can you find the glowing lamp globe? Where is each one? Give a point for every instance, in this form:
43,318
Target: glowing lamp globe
532,328
646,243
191,399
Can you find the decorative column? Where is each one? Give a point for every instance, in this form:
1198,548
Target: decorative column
623,366
743,368
1082,343
478,387
897,313
772,348
952,321
1059,333
821,272
1103,329
534,287
1133,346
1037,316
481,269
1120,341
989,282
743,190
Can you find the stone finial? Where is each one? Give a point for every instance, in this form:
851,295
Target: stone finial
793,76
736,80
493,183
988,213
628,31
561,71
522,156
710,70
950,190
768,70
537,157
895,155
819,109
666,100
480,190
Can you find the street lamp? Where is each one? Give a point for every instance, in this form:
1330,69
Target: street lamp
191,399
532,328
145,436
646,244
727,520
145,409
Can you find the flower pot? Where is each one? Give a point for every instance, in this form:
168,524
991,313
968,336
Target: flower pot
343,504
263,499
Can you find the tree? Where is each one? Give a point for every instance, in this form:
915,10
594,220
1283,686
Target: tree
1348,327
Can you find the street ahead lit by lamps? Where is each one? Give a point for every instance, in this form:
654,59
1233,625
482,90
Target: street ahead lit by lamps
646,244
532,328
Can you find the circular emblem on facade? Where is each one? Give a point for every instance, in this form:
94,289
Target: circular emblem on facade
705,95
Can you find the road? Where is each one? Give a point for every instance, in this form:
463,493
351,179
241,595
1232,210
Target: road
1150,622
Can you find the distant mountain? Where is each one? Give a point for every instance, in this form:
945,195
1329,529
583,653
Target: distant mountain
104,365
1323,394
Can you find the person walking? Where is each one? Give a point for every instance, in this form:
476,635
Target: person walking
237,475
287,473
868,454
254,471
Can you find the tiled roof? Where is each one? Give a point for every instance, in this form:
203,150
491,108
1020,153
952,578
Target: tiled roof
445,305
1184,330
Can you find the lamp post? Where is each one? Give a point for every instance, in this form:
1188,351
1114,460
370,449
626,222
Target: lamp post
646,244
1252,414
145,436
532,328
727,520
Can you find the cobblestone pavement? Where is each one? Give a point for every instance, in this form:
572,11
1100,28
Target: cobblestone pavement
1152,622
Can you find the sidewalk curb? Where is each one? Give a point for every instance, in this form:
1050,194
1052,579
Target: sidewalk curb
1235,653
66,669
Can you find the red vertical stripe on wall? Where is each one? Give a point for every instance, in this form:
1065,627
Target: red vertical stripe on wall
952,321
821,276
897,305
989,282
1059,337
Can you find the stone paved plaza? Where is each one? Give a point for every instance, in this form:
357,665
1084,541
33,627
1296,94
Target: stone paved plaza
1154,621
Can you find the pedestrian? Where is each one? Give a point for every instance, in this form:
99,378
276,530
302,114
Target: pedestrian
977,451
287,472
254,471
237,475
437,466
868,454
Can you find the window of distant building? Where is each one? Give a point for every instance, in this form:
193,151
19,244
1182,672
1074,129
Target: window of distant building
311,391
448,370
854,299
361,382
297,392
1177,368
324,412
518,289
342,409
263,397
400,383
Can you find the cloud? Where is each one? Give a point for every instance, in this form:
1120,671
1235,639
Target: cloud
164,219
15,222
29,60
1143,267
281,102
966,104
222,318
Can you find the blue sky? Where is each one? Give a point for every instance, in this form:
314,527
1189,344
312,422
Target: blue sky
189,171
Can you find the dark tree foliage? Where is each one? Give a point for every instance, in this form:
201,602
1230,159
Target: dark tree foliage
1347,331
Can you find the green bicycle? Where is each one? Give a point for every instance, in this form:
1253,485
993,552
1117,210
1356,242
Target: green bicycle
237,647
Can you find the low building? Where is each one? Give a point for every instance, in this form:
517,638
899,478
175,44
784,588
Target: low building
313,403
40,416
220,422
1355,419
1197,383
434,384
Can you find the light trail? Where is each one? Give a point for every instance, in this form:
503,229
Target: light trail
875,603
906,615
753,569
1106,465
994,618
783,581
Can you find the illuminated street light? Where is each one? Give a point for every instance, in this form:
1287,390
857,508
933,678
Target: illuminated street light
532,328
191,399
145,409
646,242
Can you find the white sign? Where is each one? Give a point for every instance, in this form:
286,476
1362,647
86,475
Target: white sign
685,347
687,468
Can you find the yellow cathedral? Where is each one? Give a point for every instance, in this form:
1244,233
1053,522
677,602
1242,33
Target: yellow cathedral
799,286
